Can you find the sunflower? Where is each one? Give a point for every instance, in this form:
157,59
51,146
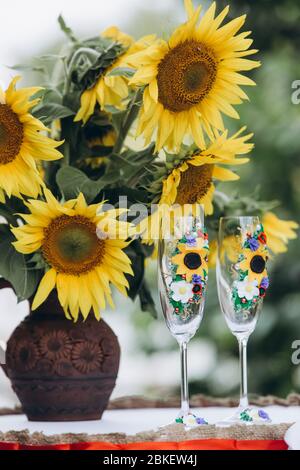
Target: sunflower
188,180
279,232
111,90
192,260
255,263
82,248
193,78
22,144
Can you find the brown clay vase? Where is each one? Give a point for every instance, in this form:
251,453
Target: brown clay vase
60,370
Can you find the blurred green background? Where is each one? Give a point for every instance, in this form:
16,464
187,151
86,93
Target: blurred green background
275,167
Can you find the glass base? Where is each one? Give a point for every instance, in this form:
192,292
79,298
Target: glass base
190,420
247,416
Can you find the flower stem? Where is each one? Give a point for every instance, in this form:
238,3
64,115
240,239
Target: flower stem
128,120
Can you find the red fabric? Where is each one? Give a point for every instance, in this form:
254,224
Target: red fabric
203,444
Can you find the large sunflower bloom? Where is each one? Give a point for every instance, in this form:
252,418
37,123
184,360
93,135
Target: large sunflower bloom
192,79
192,182
81,264
278,232
110,90
22,144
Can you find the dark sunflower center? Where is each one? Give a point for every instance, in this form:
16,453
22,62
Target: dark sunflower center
192,260
195,74
3,133
11,134
186,75
75,242
71,245
194,184
258,264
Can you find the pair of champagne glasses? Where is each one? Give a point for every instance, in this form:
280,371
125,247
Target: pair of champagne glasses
242,282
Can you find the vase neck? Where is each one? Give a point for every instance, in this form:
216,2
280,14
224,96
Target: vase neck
50,306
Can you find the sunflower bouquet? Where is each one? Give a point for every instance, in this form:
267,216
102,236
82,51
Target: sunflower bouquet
119,119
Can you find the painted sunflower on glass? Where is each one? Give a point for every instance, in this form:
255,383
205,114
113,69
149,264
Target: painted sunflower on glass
254,263
22,143
192,260
82,248
111,90
193,78
278,232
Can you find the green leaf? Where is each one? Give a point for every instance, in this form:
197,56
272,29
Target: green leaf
117,117
90,59
72,181
147,302
133,195
27,67
137,257
66,29
37,261
72,101
131,166
14,269
4,231
7,214
48,112
50,57
83,60
52,95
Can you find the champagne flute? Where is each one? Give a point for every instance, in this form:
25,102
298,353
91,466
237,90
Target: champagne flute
242,282
182,278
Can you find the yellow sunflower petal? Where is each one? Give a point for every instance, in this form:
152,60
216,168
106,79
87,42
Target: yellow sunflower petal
223,174
25,145
47,284
82,266
88,102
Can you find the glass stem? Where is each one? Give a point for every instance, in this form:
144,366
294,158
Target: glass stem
243,372
185,406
